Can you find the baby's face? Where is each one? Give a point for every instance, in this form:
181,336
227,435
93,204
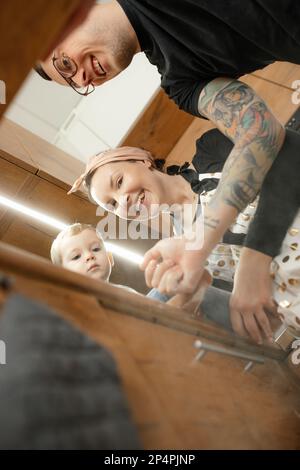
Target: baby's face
84,253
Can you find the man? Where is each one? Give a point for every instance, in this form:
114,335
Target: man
200,48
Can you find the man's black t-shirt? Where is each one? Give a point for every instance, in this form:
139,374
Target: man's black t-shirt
195,41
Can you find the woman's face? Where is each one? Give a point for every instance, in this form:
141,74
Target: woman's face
132,190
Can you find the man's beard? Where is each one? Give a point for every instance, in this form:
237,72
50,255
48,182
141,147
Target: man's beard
123,51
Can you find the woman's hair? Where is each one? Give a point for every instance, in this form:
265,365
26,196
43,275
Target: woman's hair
71,230
158,165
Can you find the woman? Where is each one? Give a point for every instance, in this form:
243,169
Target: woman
126,180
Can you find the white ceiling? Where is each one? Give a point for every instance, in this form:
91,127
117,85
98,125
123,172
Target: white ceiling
83,126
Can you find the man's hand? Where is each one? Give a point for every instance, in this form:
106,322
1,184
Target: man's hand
252,296
172,268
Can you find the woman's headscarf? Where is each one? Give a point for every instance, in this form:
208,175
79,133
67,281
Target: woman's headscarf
108,156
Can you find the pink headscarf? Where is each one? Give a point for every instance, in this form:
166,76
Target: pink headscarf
113,155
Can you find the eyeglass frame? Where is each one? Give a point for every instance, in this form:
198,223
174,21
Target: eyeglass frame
69,80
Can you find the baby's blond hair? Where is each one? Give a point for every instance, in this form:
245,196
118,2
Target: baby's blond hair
71,230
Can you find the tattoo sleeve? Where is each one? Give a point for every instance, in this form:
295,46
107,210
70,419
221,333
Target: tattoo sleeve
257,136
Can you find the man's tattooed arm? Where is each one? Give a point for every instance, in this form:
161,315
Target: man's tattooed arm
243,117
257,136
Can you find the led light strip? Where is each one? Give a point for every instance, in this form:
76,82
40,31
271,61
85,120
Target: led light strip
115,249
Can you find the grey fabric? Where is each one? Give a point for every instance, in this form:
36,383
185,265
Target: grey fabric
215,305
58,389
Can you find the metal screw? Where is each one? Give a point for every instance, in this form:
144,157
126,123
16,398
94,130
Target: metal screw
248,366
200,355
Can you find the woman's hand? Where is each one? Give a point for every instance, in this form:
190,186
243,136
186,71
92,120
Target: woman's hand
252,296
173,267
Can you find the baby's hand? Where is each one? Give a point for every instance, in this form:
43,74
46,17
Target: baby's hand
171,267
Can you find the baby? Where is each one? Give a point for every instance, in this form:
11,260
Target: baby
80,248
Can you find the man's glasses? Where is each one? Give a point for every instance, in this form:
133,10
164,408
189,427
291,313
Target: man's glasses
67,68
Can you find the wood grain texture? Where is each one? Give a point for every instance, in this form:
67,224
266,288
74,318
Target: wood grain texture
212,404
159,127
281,73
47,160
176,403
34,267
31,190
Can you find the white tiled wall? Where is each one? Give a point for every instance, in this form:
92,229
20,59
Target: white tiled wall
84,125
